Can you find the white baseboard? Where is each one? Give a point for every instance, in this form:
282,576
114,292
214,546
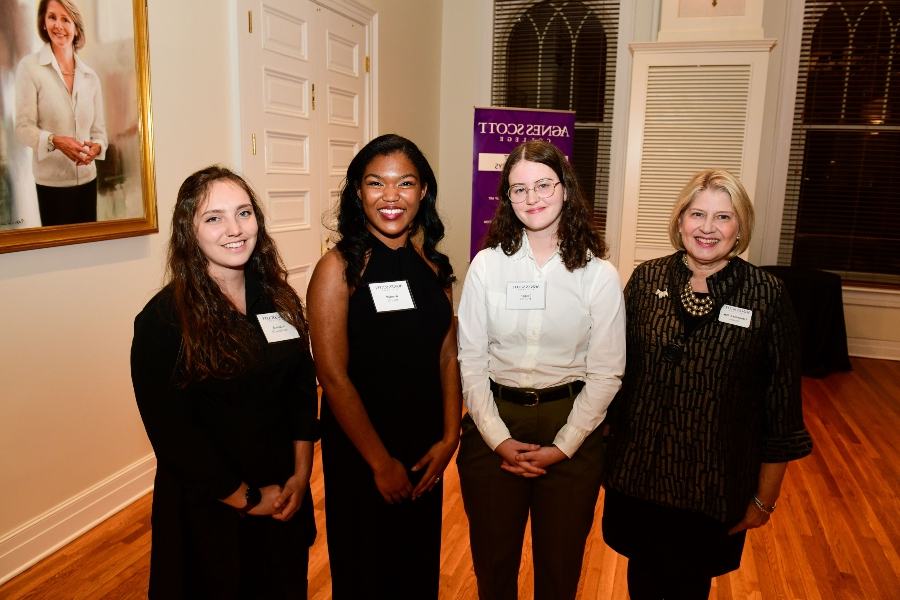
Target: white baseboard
883,349
58,526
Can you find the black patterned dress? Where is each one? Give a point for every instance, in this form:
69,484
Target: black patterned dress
703,404
376,549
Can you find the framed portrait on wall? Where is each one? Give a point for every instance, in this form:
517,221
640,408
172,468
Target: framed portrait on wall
76,141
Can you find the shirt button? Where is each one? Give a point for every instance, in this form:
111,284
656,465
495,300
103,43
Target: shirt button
540,275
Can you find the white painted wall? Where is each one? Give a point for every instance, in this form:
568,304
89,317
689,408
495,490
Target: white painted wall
465,83
409,71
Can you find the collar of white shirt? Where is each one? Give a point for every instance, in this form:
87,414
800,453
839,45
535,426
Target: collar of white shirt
525,251
47,58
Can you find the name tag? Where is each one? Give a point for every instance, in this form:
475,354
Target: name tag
392,295
735,316
529,295
276,329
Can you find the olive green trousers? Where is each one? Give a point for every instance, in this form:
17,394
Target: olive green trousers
561,505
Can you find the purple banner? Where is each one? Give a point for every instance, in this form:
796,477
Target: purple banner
497,132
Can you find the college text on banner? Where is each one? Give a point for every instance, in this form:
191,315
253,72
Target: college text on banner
497,131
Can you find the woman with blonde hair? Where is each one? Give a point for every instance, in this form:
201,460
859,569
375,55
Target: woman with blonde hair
710,408
60,116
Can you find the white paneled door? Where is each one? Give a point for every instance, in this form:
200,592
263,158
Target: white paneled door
304,115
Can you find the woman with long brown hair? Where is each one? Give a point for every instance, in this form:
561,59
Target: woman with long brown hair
226,388
542,351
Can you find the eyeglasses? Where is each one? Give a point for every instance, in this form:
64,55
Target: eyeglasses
543,188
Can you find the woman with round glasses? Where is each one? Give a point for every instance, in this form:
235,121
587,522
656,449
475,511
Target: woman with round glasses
542,352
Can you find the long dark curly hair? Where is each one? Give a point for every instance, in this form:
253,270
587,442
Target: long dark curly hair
579,240
356,239
217,340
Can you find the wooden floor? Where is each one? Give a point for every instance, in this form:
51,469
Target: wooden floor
836,534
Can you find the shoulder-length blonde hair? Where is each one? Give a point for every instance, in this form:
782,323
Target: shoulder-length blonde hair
77,20
716,180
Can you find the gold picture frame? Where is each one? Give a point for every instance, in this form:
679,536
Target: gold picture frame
132,126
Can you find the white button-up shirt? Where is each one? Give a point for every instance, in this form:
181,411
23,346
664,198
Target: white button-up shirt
44,106
579,335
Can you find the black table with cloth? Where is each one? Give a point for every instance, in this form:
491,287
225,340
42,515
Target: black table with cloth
818,302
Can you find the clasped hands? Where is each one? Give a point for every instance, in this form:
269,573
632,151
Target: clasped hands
81,153
394,484
527,460
280,502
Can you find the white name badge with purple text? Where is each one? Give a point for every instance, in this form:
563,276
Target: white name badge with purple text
735,315
526,295
392,295
276,328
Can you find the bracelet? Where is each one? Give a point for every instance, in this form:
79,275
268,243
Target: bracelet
762,506
253,497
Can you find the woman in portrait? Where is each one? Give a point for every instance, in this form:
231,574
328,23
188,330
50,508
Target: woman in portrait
226,388
381,323
59,115
13,46
710,410
542,351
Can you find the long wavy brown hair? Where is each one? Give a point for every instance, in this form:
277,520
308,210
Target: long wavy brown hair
217,340
579,240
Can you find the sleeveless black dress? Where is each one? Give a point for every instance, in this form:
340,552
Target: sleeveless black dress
379,550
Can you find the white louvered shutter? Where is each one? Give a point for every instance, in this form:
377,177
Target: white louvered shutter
689,111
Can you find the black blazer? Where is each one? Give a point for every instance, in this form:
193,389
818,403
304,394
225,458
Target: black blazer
701,408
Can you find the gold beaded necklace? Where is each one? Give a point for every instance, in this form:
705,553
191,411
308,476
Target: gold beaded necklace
697,307
694,305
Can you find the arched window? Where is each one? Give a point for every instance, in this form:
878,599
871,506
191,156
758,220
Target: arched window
560,54
842,203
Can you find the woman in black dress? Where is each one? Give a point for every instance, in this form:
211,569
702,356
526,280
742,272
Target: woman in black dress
381,324
710,409
226,388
